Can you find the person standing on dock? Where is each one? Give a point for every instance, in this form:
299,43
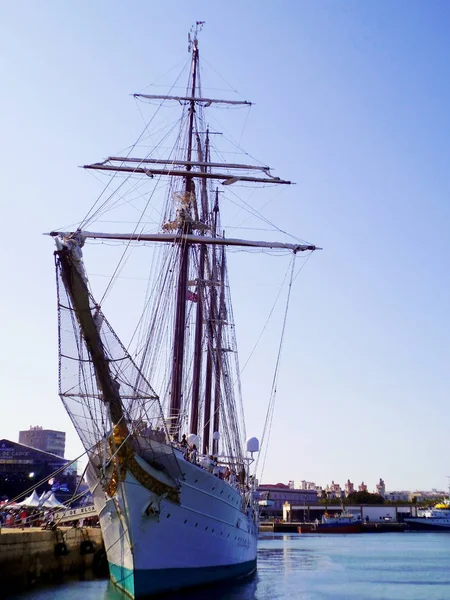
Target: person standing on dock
22,518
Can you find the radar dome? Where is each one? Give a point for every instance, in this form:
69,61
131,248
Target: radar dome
253,445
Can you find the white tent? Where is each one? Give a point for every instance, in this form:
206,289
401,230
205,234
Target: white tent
43,497
32,501
52,502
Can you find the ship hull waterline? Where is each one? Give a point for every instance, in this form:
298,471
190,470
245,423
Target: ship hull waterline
420,524
145,583
155,546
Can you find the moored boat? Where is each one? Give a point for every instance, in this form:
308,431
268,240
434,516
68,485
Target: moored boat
431,519
338,523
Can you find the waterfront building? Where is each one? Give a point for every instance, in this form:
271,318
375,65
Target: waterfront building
272,497
381,488
21,467
397,496
334,491
416,497
362,487
47,440
308,485
297,513
349,488
424,496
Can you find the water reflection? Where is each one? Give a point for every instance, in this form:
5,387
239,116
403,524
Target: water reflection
288,560
242,590
394,566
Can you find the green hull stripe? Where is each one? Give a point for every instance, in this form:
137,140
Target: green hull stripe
145,582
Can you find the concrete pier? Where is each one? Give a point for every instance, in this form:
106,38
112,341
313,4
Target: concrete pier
370,527
31,555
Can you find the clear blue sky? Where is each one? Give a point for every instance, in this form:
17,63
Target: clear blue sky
352,103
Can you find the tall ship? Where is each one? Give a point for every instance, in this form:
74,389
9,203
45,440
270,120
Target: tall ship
170,467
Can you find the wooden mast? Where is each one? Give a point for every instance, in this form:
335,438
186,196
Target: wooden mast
197,370
207,406
198,344
211,336
180,318
218,352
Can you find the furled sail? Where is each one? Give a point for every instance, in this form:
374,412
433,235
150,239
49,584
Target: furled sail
100,385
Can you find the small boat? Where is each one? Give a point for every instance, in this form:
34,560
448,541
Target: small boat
432,519
338,523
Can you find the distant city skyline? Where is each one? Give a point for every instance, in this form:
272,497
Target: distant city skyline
337,489
351,103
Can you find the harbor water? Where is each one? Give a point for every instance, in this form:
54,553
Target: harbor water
389,566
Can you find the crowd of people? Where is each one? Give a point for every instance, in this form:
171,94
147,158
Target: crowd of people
191,454
210,463
26,517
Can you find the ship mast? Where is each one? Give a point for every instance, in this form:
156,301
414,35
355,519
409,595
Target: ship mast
200,297
210,347
186,228
218,353
194,230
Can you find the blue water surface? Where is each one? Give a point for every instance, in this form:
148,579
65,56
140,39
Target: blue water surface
388,566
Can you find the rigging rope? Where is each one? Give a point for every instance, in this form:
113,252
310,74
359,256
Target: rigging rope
45,479
265,324
90,214
271,406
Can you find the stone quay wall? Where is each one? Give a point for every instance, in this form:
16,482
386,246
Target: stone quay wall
32,555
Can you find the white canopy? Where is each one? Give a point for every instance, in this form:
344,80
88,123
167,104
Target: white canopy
32,501
51,502
47,500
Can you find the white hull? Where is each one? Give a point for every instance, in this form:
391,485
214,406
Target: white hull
154,545
429,523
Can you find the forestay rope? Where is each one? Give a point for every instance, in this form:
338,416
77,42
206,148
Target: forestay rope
273,393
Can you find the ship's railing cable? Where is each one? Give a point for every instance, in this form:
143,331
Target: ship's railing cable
66,507
37,517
